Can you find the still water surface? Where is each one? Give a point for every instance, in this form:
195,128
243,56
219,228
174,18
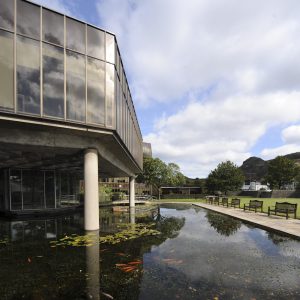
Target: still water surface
197,255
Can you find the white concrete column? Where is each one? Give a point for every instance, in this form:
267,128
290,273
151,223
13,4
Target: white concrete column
91,193
132,191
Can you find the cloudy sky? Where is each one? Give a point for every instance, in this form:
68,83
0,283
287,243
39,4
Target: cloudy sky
211,80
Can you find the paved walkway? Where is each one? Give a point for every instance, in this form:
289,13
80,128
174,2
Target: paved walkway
290,226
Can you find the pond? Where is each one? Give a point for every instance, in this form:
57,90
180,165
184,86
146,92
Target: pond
171,252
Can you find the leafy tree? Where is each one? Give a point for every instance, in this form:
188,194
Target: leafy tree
282,171
226,177
158,174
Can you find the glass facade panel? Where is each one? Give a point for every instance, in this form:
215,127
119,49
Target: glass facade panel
6,70
53,81
50,189
7,14
75,35
15,189
53,27
33,189
28,19
110,94
95,91
110,48
95,42
28,75
75,86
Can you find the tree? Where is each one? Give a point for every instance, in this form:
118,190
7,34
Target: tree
157,173
226,177
282,171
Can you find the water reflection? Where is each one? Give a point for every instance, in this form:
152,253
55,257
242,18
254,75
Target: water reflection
188,260
224,225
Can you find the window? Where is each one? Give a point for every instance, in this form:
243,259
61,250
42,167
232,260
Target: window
28,75
15,189
7,14
110,48
75,35
53,81
110,95
6,70
95,42
33,189
53,27
28,21
75,86
95,91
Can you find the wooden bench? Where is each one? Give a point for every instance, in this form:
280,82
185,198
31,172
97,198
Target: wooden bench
209,199
235,202
284,208
254,205
224,201
216,200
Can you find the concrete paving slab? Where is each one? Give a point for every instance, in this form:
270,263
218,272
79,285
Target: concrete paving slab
281,224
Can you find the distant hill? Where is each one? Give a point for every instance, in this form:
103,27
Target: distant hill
255,168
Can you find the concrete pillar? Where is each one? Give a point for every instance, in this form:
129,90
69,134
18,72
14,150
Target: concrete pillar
91,193
132,215
132,191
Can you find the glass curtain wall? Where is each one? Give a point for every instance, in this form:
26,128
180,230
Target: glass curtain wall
35,189
64,69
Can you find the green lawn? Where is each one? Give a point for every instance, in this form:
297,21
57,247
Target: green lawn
267,202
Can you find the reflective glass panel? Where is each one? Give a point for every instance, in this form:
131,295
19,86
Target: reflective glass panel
95,91
6,70
7,14
33,189
53,81
28,19
53,27
75,35
95,42
75,86
110,94
50,189
15,189
110,48
28,75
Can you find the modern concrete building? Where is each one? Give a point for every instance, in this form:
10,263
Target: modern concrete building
66,111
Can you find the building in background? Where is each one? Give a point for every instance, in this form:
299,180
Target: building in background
66,111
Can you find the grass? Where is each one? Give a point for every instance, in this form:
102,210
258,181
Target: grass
245,200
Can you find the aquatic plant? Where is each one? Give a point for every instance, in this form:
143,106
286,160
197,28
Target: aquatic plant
127,232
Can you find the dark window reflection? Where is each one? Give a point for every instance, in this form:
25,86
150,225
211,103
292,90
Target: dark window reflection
95,91
75,35
50,189
110,95
28,75
95,42
7,14
53,81
53,27
110,48
6,70
33,189
15,189
75,86
28,19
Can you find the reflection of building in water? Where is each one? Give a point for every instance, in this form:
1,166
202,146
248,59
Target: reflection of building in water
65,109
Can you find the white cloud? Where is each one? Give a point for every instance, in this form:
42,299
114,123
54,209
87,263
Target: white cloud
238,61
291,134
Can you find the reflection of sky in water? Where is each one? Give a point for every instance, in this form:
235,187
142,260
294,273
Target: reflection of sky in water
248,258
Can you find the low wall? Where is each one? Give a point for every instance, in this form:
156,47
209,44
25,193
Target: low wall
272,194
182,196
